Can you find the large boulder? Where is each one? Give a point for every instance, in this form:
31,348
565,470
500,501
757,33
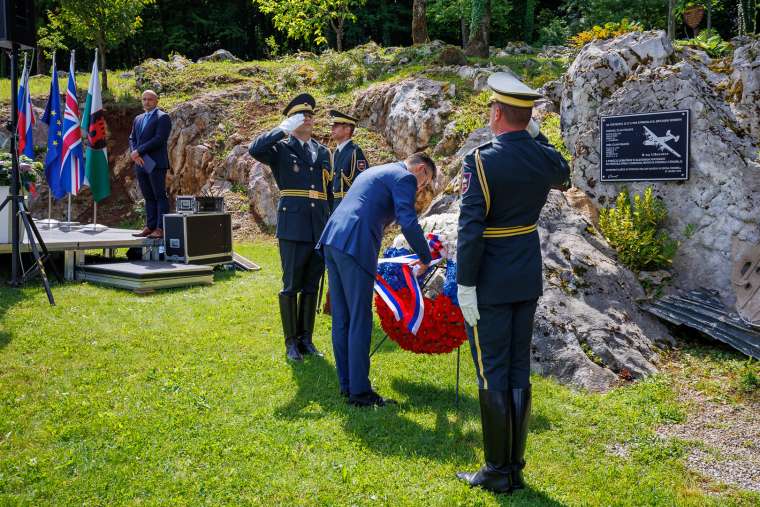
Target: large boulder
407,113
220,55
636,73
263,194
589,331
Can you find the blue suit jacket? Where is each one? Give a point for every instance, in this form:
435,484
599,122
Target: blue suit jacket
377,197
151,139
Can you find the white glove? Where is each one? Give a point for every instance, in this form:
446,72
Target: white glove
468,303
291,123
533,128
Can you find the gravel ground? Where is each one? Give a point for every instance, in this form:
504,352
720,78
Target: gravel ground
729,432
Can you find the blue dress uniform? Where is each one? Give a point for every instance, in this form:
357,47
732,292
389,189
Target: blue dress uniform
302,172
348,161
505,183
351,244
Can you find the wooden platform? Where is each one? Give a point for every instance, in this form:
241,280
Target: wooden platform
146,276
58,240
74,242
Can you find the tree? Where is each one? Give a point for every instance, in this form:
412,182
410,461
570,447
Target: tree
528,23
306,19
100,24
480,24
419,22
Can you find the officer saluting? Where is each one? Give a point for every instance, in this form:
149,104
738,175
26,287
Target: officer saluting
505,183
301,168
348,158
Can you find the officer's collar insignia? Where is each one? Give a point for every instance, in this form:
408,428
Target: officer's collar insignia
466,177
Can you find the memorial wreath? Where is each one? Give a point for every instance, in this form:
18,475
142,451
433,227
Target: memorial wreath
421,317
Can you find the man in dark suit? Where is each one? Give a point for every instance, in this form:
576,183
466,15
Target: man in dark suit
351,243
147,146
301,168
505,183
348,158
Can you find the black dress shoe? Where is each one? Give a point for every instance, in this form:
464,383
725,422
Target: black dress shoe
306,347
369,399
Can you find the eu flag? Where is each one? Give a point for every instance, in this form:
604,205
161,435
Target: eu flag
54,120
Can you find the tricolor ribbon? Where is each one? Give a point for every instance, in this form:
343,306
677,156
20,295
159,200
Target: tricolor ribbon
412,312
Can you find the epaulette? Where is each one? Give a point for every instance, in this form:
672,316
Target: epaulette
486,144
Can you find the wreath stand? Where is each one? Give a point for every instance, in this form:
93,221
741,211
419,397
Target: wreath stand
385,337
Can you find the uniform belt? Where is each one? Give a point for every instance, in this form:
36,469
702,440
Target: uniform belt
308,194
339,195
505,232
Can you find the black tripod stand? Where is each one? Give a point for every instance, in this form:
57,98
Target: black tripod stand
18,208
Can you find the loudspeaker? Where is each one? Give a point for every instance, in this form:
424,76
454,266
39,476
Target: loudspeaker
17,23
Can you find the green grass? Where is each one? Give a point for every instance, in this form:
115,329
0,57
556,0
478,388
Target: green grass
184,398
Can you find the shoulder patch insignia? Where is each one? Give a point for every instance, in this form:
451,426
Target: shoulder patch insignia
361,165
466,178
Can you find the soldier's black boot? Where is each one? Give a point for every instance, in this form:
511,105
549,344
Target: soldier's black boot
521,401
496,474
288,314
307,311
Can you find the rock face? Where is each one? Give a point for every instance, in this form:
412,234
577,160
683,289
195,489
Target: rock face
589,331
745,85
636,73
407,113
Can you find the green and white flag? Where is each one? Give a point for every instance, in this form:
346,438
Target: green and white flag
96,171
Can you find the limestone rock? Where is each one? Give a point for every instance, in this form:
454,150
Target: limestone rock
220,55
745,85
634,73
263,194
451,55
589,331
449,142
407,113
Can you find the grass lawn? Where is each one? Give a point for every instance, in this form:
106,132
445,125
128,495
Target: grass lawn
184,398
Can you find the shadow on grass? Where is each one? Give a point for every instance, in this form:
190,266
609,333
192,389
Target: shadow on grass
9,296
387,430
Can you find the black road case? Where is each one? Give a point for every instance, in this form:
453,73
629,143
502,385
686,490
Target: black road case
200,238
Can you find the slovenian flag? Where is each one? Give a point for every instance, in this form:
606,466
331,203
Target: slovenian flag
25,116
94,127
72,167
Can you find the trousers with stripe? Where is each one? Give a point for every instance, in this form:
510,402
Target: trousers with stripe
500,345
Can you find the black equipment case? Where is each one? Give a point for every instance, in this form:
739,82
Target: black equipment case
199,238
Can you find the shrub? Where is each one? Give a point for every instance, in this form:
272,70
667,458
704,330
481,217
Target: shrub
608,31
555,32
708,41
340,72
634,231
298,76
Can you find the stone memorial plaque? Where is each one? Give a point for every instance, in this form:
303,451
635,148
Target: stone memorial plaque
646,146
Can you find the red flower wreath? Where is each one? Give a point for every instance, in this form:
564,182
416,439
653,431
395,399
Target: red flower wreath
441,331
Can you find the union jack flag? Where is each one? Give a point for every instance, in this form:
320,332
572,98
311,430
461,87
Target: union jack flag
72,168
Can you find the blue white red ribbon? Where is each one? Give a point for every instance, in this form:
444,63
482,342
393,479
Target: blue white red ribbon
413,313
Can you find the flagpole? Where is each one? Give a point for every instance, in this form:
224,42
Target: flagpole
89,152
